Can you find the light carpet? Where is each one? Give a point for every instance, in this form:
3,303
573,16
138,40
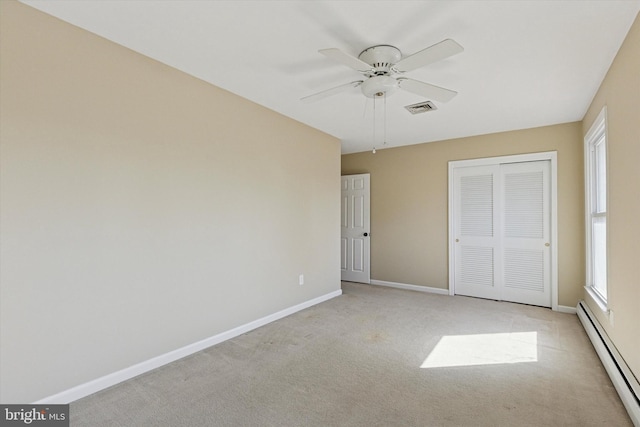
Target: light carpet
378,356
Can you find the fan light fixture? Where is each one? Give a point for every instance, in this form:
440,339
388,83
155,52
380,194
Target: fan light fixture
378,86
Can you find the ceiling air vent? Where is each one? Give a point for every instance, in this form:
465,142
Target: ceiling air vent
421,107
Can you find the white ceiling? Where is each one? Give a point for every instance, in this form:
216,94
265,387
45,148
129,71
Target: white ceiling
526,63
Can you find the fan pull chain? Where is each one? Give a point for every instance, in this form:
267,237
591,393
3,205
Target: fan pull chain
374,125
384,136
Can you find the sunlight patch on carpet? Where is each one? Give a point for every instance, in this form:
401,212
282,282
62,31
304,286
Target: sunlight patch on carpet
483,349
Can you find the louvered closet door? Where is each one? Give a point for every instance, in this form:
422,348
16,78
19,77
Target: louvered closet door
502,231
476,225
526,221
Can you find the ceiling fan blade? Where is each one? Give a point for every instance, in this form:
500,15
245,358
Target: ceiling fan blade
438,51
326,93
427,90
348,60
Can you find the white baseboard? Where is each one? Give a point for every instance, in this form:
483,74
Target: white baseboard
440,291
428,289
566,309
621,376
114,378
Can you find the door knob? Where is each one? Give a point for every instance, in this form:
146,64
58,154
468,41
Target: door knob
366,234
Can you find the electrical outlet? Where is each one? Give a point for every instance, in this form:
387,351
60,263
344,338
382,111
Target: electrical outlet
301,280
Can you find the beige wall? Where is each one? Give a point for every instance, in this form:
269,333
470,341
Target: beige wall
143,210
620,92
409,216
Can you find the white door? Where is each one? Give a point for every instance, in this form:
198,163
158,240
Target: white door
476,239
355,217
501,226
525,226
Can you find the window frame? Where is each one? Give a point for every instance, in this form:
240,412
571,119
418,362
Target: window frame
596,204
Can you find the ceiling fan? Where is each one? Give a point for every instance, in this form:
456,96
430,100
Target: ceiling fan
383,67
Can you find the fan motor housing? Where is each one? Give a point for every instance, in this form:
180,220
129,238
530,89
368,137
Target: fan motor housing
381,58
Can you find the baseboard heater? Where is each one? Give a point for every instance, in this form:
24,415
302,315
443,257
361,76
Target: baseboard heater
621,376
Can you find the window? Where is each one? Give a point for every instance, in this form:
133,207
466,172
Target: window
595,144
